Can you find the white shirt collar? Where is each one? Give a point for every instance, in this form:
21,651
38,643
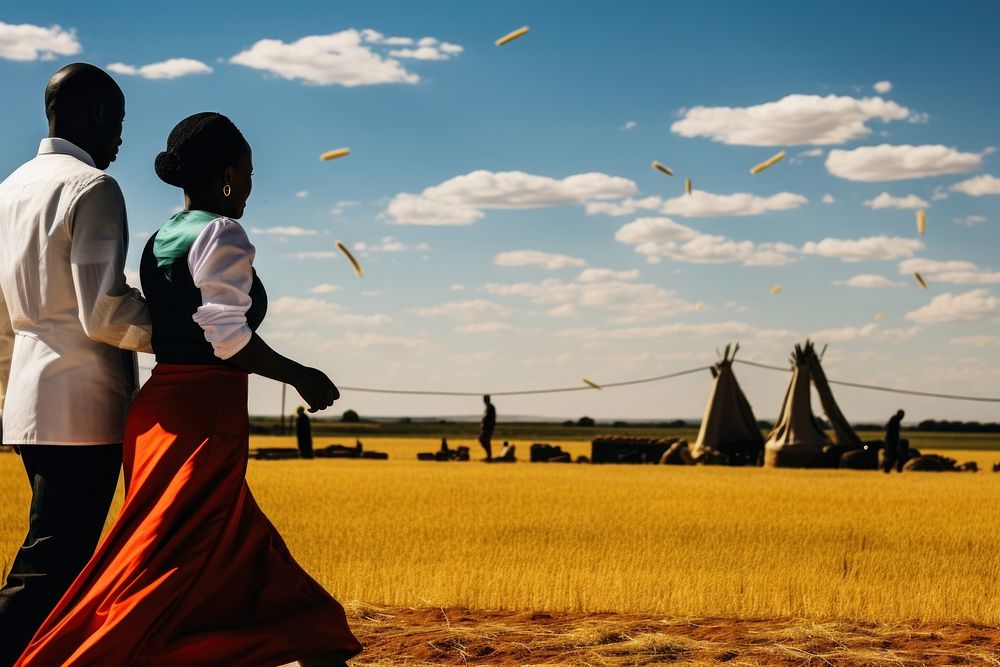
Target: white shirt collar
57,146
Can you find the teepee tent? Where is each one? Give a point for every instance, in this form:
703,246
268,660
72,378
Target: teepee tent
843,433
728,427
797,440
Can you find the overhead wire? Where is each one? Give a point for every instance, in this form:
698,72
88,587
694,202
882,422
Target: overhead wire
657,378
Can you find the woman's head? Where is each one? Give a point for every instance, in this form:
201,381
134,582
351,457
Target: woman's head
210,160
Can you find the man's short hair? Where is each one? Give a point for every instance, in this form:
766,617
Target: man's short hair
78,86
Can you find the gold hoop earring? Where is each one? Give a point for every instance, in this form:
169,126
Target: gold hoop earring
226,191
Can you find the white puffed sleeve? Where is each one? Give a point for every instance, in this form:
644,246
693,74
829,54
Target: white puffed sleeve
221,265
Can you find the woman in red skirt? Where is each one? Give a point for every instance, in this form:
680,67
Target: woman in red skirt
192,572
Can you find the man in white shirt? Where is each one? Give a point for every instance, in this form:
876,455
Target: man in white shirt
69,329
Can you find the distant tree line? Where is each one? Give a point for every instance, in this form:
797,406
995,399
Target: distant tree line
961,427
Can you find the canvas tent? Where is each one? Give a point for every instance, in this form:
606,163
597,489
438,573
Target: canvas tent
729,433
797,439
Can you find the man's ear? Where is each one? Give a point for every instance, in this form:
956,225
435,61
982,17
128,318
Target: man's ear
97,113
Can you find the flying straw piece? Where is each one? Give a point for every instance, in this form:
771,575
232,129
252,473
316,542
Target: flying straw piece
922,221
511,36
591,383
767,163
659,166
699,306
879,316
333,155
775,289
350,257
920,280
687,186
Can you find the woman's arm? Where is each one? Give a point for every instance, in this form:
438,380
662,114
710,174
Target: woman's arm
221,265
313,385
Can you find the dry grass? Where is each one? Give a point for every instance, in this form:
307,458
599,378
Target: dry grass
681,542
401,636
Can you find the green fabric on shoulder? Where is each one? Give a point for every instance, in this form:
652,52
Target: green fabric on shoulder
175,238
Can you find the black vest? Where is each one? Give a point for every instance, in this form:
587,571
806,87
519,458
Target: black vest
177,338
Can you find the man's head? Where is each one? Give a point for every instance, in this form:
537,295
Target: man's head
486,399
84,105
300,410
900,414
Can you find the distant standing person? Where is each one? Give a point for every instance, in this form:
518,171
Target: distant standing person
486,427
303,431
892,451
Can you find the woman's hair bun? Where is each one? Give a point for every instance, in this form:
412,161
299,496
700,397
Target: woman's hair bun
199,149
168,169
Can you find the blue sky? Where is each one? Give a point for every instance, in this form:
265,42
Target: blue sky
487,136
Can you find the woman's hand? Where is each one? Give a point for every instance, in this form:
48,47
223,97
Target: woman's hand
316,389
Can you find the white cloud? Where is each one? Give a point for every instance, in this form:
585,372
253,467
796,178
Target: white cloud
132,278
456,288
886,200
283,231
792,120
828,199
658,238
628,125
546,260
969,220
371,292
172,68
367,340
886,162
966,307
939,193
434,50
302,194
469,309
714,329
956,272
868,280
483,327
625,207
324,288
389,244
565,310
978,186
700,204
976,341
290,312
705,204
868,331
882,87
812,152
26,42
871,248
346,58
410,209
462,199
626,301
314,254
599,275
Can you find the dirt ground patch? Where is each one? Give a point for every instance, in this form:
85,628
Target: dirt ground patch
405,636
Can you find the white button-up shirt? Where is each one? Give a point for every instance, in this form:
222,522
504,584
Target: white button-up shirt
69,323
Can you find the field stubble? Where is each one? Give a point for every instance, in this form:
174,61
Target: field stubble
679,542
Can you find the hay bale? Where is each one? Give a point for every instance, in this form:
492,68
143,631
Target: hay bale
969,466
628,449
679,454
860,459
931,463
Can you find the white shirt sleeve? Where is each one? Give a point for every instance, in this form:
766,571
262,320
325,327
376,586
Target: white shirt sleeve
6,349
110,311
221,265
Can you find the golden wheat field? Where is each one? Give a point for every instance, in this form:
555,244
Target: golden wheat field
728,542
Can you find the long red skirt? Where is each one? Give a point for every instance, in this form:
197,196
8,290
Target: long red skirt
192,572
